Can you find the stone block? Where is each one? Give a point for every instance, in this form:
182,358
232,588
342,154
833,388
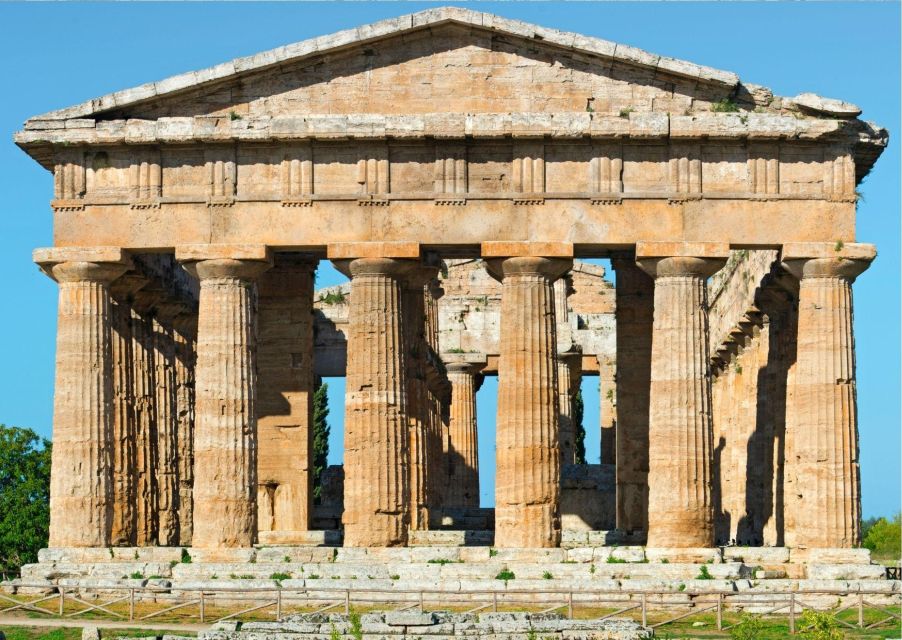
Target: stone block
830,556
845,571
409,618
684,555
756,555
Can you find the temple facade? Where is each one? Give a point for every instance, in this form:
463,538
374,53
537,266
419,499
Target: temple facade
457,167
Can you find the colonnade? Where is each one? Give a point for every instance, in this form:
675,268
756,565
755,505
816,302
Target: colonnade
394,434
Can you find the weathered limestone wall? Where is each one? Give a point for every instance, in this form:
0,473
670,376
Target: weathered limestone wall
284,408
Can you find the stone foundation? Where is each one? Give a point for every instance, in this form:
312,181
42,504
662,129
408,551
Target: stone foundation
465,573
438,626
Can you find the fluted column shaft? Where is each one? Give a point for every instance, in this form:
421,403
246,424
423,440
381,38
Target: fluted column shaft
680,510
167,435
122,529
81,499
418,401
527,486
376,457
821,416
463,488
568,380
225,436
143,394
185,346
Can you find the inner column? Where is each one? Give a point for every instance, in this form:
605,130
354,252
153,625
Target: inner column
527,491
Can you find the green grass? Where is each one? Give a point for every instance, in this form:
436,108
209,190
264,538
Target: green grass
74,633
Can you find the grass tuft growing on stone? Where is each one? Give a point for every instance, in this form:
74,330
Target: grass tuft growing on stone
505,574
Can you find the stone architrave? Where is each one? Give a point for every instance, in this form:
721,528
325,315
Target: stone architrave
635,306
680,455
527,484
225,432
285,399
418,400
81,487
821,413
463,485
376,457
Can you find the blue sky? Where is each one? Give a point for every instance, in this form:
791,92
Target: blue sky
54,55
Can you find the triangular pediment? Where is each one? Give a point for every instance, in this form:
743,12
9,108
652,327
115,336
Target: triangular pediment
441,60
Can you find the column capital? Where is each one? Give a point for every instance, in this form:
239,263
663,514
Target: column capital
419,276
471,363
680,259
807,260
550,268
83,264
213,261
392,267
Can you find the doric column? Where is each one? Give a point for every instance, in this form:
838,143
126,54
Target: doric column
463,485
436,427
285,399
527,485
569,377
185,351
143,392
821,411
607,410
418,401
680,456
167,429
81,488
376,456
635,306
225,433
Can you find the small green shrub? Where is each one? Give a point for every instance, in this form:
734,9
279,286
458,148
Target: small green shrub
333,298
278,576
439,561
547,575
505,574
286,559
665,561
313,576
819,625
137,575
493,553
395,576
625,113
749,627
592,568
704,574
333,634
356,627
682,587
613,560
724,106
186,557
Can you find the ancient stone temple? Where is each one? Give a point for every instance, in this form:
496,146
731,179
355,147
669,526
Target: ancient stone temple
459,168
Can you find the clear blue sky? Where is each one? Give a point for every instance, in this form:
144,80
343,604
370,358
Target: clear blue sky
55,55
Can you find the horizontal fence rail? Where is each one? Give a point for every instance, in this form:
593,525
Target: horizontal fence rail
205,605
